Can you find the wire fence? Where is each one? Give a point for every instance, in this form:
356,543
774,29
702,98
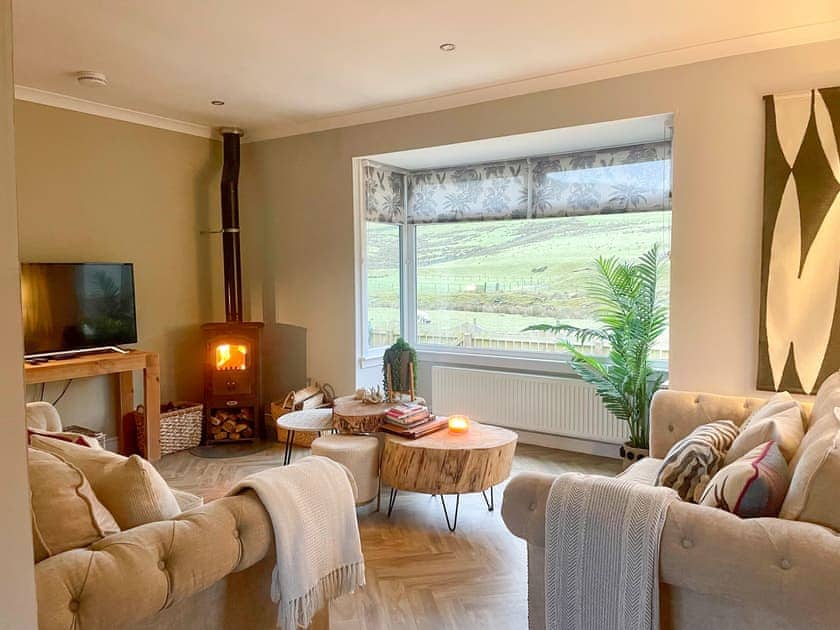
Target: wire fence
389,285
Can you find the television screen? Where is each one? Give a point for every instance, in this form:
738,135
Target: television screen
77,306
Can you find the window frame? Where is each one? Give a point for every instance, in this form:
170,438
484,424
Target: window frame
371,356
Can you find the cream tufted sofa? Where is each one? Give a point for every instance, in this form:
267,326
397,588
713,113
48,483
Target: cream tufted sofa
208,568
716,570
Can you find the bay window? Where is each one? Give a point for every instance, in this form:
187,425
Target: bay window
463,259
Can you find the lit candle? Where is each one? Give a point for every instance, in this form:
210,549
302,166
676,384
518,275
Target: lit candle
459,424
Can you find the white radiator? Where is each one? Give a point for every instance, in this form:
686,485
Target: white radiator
542,404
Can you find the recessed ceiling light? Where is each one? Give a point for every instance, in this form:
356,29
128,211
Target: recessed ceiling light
217,102
447,47
89,78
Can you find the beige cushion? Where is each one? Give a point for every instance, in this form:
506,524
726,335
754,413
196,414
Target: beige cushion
129,487
754,485
828,397
65,512
779,420
75,438
813,493
643,471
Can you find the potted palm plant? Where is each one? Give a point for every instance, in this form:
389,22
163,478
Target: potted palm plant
631,317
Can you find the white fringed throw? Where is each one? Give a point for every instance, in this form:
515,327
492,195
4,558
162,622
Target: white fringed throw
316,534
602,553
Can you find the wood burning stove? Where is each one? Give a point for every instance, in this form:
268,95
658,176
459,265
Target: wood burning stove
232,377
232,370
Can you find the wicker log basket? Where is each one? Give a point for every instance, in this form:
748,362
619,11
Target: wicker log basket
180,426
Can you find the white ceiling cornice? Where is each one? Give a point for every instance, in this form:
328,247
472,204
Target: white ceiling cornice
771,40
62,101
758,42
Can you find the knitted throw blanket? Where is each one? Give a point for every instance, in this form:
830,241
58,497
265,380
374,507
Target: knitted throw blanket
316,535
602,553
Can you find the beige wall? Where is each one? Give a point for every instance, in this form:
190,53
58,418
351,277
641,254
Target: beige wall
17,584
96,189
303,185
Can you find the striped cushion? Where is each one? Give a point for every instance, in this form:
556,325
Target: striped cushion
754,485
693,460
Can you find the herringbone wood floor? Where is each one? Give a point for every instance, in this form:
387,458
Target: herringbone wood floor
419,575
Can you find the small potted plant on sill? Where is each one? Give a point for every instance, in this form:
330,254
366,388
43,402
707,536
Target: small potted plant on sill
631,317
399,370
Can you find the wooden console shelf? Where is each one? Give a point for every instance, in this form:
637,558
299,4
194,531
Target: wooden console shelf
122,365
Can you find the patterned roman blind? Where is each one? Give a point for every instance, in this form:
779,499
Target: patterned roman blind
469,193
625,179
384,193
633,178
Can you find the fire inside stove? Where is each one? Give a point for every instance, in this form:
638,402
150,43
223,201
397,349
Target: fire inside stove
231,357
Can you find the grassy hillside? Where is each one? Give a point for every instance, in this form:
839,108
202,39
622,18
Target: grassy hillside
495,278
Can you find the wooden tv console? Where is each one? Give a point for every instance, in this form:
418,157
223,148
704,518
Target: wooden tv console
122,365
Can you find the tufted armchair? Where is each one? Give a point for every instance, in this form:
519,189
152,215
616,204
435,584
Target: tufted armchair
716,569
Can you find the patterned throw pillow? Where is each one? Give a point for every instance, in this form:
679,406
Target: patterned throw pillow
754,485
696,458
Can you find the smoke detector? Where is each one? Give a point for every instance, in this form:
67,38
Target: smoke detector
89,78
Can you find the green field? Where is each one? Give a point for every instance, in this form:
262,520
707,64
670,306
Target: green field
492,279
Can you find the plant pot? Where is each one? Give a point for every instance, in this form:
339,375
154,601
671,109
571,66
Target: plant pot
630,454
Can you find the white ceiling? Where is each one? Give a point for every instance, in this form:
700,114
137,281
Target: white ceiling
285,67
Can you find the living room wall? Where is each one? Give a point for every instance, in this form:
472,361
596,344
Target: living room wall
97,189
303,188
17,584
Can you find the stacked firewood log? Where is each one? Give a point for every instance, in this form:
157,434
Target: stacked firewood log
230,425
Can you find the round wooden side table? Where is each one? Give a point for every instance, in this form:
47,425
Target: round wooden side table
447,463
351,415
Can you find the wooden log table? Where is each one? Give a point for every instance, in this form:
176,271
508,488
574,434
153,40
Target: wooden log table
447,463
351,415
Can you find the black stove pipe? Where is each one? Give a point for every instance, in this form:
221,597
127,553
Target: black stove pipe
230,225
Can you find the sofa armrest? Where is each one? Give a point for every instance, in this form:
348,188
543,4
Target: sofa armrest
130,576
523,506
778,564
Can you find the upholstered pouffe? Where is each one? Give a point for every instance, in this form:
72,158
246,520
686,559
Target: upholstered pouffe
360,454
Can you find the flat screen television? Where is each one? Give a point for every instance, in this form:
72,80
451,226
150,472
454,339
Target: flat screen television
77,306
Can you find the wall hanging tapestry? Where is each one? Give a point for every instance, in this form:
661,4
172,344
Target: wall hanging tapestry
799,338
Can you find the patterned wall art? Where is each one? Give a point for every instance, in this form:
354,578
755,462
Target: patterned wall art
799,334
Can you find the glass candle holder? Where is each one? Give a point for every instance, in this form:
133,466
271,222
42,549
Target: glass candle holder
459,424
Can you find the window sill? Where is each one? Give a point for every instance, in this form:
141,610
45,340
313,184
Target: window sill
523,363
370,362
553,365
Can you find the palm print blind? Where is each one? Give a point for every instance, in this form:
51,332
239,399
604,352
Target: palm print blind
634,178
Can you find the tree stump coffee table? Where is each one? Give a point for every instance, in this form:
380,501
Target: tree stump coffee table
448,463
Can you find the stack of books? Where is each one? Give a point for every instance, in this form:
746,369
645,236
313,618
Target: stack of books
411,420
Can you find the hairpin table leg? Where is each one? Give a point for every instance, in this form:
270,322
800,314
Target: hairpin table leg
287,455
491,503
391,501
454,522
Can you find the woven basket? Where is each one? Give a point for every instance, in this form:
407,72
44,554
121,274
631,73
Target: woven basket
180,428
